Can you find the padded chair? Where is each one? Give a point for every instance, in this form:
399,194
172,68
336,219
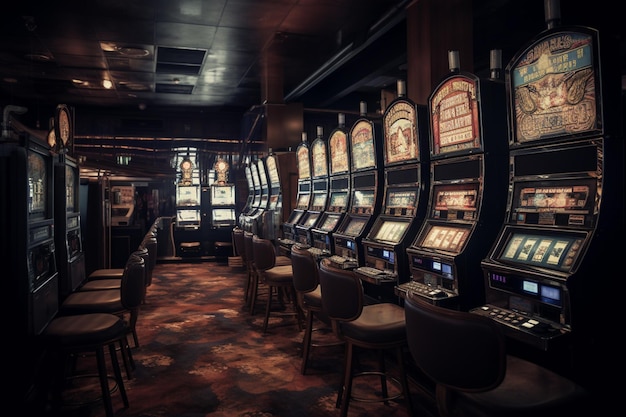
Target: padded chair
67,337
239,243
465,355
306,283
277,278
114,281
378,327
253,287
124,302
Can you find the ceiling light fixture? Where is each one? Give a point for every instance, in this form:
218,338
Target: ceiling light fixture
107,84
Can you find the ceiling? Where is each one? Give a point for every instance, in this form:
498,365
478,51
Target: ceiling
217,59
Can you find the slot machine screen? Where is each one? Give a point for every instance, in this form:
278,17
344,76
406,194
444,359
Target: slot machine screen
188,195
363,200
248,173
451,199
454,116
338,152
309,219
355,227
222,195
555,87
272,169
329,223
339,199
319,158
188,217
255,177
304,164
303,201
556,251
400,128
71,189
391,231
319,200
295,217
37,185
223,215
362,145
557,202
262,173
446,238
401,199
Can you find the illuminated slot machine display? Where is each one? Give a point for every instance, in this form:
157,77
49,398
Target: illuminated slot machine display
405,197
250,218
68,237
339,190
249,200
468,188
28,232
366,193
565,204
188,213
274,214
303,197
223,205
255,219
319,190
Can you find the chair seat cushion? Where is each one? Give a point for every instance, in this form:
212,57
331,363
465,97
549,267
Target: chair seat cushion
279,275
378,323
515,395
313,299
282,260
106,273
102,284
81,302
83,329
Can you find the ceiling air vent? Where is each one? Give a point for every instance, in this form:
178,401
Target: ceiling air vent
179,60
174,88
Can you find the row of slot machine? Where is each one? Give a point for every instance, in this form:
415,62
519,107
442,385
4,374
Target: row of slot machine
41,248
262,213
501,197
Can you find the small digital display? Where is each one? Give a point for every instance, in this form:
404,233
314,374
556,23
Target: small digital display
363,199
188,216
350,244
455,197
319,200
388,256
339,199
223,215
530,286
401,199
303,201
436,266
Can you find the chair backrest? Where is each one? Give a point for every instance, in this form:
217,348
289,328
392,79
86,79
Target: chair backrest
150,243
264,253
133,289
456,349
305,269
247,240
239,244
342,292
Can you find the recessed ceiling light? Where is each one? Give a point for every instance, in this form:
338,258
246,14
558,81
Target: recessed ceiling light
107,84
133,52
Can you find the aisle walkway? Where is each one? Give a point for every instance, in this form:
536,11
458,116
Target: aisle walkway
202,354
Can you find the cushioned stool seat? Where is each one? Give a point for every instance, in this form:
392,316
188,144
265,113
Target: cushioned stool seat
68,336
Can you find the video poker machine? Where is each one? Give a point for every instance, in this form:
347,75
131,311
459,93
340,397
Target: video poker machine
339,192
249,221
255,219
406,187
272,217
319,189
366,192
564,214
247,208
68,236
303,197
468,188
28,232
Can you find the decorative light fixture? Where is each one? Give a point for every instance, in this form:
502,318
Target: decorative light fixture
123,159
106,83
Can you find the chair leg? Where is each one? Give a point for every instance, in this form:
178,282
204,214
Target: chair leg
306,341
404,381
268,308
343,399
104,382
118,374
383,375
254,289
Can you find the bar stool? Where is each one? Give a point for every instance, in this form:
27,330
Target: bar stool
278,279
67,337
377,327
306,283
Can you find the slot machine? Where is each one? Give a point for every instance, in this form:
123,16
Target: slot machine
366,192
250,218
188,207
339,190
255,219
273,216
222,198
468,188
68,238
303,197
564,212
319,189
27,230
249,200
406,167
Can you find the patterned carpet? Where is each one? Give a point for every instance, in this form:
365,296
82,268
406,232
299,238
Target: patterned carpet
202,354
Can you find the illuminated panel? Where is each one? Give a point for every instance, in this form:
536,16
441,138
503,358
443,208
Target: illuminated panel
222,195
401,199
447,238
329,223
555,88
543,250
362,145
339,199
304,163
355,227
338,144
272,170
454,116
400,129
303,201
188,195
391,231
363,201
319,158
37,185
